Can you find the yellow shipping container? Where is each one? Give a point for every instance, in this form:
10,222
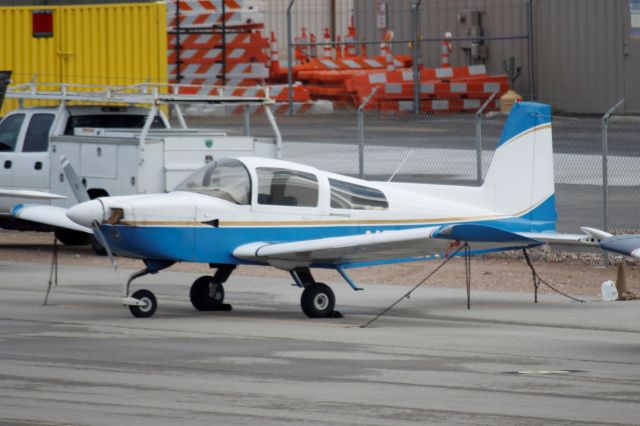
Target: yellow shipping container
108,44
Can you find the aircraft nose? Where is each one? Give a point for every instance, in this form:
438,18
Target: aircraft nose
85,213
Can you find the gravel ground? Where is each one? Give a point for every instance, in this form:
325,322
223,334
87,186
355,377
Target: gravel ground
575,274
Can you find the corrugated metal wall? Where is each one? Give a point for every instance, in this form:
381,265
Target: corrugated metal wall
579,53
578,49
103,44
501,18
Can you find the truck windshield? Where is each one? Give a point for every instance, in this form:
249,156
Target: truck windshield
9,131
227,179
111,121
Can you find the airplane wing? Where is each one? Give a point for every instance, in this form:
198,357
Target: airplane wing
47,215
34,195
423,243
377,247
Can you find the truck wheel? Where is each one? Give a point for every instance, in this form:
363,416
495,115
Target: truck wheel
72,238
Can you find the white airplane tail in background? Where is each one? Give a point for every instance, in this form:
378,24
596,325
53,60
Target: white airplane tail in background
520,179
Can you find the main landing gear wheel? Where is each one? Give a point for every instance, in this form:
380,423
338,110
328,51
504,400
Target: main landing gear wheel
208,295
318,301
150,304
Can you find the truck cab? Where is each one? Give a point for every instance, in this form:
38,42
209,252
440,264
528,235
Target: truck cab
25,135
117,140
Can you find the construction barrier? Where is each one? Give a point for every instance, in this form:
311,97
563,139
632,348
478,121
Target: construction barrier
466,83
436,105
217,47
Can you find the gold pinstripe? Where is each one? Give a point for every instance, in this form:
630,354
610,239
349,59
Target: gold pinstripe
230,223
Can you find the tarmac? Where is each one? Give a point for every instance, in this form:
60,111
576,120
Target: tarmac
84,360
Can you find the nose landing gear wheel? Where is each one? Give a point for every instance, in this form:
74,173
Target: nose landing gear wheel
318,301
151,304
208,295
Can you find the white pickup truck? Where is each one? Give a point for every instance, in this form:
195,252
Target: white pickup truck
115,149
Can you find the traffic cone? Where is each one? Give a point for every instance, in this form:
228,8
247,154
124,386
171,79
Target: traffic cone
445,48
304,40
338,48
350,48
313,49
328,50
385,49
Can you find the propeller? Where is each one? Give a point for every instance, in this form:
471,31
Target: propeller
97,232
74,181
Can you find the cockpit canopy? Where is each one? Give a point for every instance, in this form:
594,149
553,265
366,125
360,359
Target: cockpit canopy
227,179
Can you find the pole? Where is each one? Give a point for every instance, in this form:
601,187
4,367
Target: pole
276,130
247,120
416,56
289,56
332,19
605,170
530,48
361,132
479,138
178,61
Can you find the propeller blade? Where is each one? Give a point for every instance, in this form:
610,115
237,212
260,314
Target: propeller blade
74,181
97,232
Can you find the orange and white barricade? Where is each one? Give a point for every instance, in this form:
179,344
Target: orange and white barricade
252,40
208,6
236,18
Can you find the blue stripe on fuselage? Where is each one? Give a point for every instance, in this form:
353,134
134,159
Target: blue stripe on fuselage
215,245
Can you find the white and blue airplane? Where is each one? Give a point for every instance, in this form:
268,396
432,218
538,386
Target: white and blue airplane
258,211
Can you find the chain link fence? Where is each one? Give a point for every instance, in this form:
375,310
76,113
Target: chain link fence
441,149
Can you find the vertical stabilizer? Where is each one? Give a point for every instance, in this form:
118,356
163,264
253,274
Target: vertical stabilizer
520,179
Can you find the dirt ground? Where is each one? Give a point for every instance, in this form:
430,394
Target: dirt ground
575,274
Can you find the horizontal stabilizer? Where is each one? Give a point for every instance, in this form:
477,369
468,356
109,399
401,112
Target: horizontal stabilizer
483,234
47,215
629,245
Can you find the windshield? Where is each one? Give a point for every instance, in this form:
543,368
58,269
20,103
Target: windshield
226,179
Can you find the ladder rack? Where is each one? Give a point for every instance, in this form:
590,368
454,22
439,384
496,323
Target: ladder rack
143,93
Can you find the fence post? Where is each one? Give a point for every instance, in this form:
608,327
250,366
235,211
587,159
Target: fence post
605,171
247,120
416,56
479,138
360,115
530,49
289,56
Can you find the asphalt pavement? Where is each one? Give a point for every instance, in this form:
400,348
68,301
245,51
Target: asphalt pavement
83,360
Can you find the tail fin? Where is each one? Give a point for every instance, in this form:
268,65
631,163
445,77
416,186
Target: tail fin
520,179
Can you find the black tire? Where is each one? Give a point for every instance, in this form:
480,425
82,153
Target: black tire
318,301
72,238
206,295
144,311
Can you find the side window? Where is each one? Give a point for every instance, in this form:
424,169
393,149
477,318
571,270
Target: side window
37,137
283,187
346,195
9,131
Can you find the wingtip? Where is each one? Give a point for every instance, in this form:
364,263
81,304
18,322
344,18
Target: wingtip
596,233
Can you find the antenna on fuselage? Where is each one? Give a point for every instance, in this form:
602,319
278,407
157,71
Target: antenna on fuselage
401,164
